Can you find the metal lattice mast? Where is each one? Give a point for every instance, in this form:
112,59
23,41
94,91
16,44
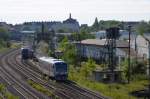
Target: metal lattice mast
111,36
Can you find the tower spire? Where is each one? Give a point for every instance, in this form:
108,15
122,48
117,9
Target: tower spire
70,15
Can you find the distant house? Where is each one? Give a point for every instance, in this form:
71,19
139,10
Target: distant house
96,49
140,44
124,34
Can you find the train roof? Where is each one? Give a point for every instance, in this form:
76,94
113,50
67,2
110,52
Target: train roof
50,59
26,47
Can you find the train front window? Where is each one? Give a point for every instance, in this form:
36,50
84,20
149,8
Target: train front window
25,51
61,67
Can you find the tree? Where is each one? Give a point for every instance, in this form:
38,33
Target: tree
142,27
4,34
95,26
87,68
69,51
148,29
82,35
136,68
85,28
4,37
111,23
42,48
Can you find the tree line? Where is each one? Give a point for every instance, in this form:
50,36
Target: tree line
4,37
139,27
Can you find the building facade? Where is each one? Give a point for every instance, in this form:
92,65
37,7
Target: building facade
140,45
69,25
97,50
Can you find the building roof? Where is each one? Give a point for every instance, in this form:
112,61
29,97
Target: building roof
28,32
50,60
70,20
102,42
147,36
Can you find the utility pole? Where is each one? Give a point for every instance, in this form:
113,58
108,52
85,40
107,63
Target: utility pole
149,69
80,47
129,65
136,49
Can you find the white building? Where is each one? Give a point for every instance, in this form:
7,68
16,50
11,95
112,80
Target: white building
140,44
96,49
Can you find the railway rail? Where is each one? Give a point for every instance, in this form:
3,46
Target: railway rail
11,80
27,70
28,73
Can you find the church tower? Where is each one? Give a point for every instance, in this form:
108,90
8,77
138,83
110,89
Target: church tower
70,16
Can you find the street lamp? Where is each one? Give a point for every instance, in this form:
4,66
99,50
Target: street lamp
129,65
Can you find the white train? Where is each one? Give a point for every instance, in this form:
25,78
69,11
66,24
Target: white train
54,68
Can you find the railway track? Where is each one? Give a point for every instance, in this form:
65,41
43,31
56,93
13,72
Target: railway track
29,74
28,70
58,89
13,81
72,88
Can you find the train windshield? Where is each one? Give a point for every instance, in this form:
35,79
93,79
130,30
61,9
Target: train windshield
24,50
61,67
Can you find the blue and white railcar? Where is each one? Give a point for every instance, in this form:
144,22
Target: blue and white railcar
54,68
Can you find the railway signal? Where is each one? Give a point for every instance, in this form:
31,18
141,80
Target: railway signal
111,35
46,36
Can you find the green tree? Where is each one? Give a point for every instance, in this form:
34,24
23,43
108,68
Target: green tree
142,28
87,68
69,51
136,68
82,36
4,34
85,28
95,26
4,37
148,29
111,23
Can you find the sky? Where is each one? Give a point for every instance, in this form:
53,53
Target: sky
85,11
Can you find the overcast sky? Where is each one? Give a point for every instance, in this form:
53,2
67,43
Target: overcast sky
85,11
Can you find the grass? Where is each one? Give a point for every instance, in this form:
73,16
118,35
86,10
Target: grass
115,90
5,93
42,89
13,45
9,95
3,49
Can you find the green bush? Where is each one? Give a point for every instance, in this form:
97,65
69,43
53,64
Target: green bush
2,88
10,96
87,68
115,91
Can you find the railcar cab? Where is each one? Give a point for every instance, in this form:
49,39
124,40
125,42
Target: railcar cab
60,70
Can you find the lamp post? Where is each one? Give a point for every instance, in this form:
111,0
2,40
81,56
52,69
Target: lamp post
129,65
